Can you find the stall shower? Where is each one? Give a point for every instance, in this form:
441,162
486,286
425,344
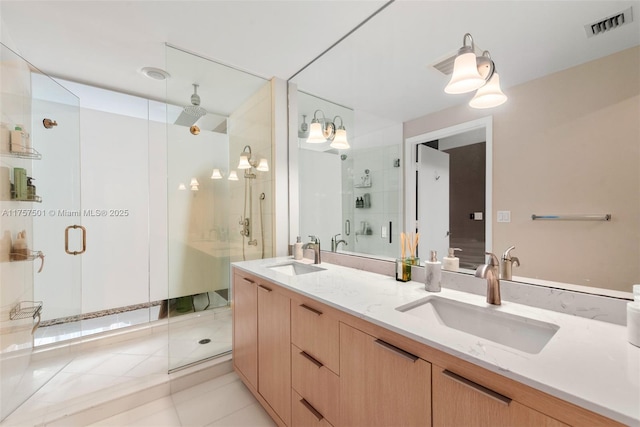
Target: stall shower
118,166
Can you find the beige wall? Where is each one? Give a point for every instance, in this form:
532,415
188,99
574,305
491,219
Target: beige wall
568,143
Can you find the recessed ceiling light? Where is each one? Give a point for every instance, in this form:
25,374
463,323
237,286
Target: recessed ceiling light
155,73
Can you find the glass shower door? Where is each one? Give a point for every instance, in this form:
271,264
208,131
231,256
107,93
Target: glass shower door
39,179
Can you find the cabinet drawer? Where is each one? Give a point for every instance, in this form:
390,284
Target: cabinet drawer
303,414
316,332
318,385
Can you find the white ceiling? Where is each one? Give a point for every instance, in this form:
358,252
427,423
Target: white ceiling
383,68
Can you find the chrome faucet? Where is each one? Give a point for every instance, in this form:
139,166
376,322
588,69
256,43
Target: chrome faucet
315,245
335,242
507,264
490,272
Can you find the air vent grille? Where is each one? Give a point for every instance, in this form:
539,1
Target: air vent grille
609,23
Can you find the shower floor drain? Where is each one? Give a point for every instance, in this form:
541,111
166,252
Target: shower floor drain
204,341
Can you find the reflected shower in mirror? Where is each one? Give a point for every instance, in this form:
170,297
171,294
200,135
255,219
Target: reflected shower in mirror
567,141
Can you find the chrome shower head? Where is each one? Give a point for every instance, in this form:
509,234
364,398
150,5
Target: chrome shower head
195,109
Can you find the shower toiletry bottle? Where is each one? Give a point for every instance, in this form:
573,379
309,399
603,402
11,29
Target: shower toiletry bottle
31,189
20,251
18,140
297,249
20,183
451,262
433,273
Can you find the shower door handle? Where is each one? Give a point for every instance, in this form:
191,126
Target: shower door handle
66,239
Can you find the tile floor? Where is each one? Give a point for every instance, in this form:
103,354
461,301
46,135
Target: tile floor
223,401
103,365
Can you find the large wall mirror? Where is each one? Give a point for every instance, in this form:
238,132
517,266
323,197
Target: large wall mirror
565,145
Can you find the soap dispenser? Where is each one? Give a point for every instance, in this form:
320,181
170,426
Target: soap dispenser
297,249
451,262
433,273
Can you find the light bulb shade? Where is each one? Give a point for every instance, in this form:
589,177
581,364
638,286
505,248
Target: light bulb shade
194,188
233,176
244,162
263,166
182,186
193,182
465,77
340,141
489,95
216,174
316,135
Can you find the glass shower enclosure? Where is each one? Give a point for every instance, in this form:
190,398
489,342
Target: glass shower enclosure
217,213
39,220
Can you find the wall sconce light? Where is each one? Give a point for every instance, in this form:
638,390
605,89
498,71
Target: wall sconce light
471,72
247,162
233,176
194,184
322,130
216,174
181,186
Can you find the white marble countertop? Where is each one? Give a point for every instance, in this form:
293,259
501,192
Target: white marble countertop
587,362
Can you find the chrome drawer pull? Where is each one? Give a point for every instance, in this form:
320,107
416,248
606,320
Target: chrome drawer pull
311,409
479,388
311,309
311,359
264,288
396,350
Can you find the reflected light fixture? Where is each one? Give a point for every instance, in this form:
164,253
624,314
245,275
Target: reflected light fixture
322,130
216,174
194,184
233,176
471,72
182,186
247,161
263,166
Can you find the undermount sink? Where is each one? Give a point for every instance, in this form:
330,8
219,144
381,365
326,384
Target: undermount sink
295,268
521,333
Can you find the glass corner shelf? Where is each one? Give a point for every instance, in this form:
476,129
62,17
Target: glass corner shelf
25,310
34,198
29,256
28,153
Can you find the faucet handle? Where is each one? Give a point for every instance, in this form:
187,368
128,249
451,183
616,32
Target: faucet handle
314,239
506,255
494,259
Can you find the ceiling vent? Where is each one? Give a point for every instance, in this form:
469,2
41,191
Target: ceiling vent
610,23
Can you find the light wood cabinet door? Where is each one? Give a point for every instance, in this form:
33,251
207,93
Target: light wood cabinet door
317,384
245,327
460,402
303,414
381,385
316,332
274,350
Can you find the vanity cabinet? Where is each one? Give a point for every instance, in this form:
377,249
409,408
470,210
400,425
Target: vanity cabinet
245,327
315,363
262,341
458,401
382,385
310,364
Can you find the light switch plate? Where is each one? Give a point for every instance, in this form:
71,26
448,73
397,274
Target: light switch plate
383,232
504,216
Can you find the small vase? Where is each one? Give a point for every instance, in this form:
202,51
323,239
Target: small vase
403,269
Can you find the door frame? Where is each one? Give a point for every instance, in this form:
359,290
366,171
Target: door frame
412,168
